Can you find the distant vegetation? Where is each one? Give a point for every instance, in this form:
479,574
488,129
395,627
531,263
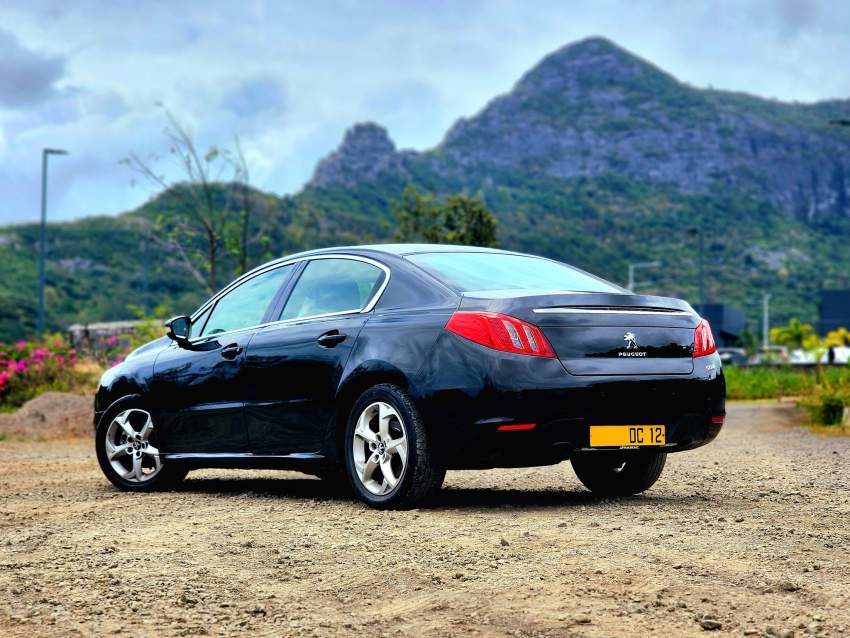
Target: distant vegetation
456,219
823,392
775,382
97,267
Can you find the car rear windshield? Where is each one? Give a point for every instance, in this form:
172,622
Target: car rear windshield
466,272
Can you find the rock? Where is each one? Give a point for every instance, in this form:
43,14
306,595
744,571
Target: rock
788,585
710,624
504,543
366,152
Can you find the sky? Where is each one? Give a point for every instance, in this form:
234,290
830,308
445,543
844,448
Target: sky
289,77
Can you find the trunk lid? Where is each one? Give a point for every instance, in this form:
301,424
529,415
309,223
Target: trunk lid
604,333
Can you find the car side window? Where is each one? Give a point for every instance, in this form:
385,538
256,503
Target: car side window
245,305
332,285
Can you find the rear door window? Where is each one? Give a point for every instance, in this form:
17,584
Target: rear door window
333,286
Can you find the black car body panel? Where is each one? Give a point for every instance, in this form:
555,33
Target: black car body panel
278,394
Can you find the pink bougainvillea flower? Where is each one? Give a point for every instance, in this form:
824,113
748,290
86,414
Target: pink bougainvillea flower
22,345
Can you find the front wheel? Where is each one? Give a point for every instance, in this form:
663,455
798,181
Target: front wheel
389,457
127,451
615,474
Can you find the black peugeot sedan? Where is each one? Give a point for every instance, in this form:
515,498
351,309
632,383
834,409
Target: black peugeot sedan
388,365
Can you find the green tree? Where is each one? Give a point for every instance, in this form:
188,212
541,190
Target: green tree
838,337
794,335
456,219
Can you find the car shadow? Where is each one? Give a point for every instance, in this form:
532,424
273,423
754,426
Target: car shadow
447,498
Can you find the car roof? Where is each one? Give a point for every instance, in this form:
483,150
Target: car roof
396,250
411,249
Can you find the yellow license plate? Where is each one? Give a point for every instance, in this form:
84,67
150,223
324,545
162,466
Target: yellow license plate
626,435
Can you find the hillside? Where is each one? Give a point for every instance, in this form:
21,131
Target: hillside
595,156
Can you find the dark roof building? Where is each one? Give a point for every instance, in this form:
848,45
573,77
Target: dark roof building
727,323
834,310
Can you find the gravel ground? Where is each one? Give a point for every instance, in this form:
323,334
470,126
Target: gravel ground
747,536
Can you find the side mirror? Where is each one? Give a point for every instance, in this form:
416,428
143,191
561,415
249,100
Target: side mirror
179,329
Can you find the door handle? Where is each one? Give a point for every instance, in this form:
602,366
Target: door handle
232,351
330,339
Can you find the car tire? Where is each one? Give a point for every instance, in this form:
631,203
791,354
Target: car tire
112,434
612,474
379,476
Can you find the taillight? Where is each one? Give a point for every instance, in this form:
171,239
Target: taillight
703,340
500,332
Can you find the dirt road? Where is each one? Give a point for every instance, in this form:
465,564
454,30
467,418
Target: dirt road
747,536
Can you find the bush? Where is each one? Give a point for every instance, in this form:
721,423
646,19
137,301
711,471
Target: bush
825,404
28,368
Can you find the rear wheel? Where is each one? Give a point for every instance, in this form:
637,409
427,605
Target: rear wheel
127,451
614,474
389,458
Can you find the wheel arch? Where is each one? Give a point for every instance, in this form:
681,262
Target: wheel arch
117,404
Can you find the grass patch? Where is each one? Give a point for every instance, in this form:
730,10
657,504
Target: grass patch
770,382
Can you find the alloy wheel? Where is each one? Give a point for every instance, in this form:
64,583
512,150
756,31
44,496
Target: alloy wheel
380,448
129,448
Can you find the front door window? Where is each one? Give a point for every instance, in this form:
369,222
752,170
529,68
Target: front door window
245,305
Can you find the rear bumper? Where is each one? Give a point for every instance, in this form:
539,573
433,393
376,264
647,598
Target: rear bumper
474,399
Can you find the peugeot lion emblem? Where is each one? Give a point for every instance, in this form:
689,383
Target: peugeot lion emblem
631,349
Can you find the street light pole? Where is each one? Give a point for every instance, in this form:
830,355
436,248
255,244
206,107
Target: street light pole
41,276
765,320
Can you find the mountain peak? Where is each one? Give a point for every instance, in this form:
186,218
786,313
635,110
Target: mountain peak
593,45
590,61
365,151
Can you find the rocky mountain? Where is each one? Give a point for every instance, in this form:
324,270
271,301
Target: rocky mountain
592,109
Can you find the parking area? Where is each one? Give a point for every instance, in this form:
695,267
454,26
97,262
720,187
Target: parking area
748,535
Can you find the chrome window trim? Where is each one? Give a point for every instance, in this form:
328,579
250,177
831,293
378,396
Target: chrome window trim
367,308
608,311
